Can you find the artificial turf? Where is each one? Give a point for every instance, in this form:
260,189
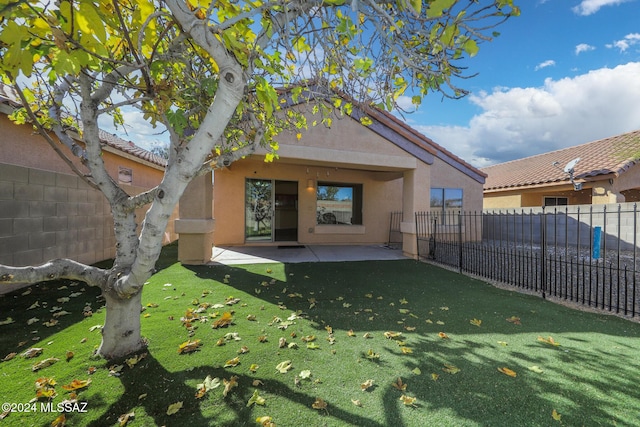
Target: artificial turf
456,333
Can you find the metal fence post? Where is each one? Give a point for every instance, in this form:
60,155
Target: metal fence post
460,241
543,258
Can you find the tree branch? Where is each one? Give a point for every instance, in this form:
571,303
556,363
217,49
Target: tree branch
54,270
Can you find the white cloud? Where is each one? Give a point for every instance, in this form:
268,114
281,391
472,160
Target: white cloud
589,7
521,122
625,43
583,47
545,64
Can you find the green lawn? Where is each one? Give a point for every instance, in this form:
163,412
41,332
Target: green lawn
590,378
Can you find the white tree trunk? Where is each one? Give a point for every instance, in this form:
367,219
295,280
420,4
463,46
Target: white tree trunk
121,332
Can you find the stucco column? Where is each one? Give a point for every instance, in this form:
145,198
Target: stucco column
415,198
196,224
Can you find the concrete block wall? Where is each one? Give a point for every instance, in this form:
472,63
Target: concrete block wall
46,215
619,223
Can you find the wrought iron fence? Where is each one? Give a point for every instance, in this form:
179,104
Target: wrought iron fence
583,254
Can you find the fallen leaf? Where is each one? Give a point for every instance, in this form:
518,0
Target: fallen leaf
229,385
475,322
32,352
536,369
416,371
173,408
256,399
515,320
451,369
225,320
351,333
366,385
209,384
76,385
60,313
408,401
392,335
265,421
435,376
399,384
189,346
284,367
439,322
367,335
356,402
251,317
115,370
9,357
243,350
406,350
232,362
508,372
503,343
549,341
372,356
443,335
44,363
319,404
305,374
308,338
124,418
404,301
556,416
61,421
133,361
292,345
32,321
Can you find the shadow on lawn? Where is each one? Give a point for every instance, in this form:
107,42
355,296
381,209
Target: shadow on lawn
164,388
580,383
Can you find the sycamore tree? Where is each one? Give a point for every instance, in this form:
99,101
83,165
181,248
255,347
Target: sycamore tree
219,78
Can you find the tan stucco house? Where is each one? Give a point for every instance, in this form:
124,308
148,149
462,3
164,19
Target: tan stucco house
46,210
336,185
608,171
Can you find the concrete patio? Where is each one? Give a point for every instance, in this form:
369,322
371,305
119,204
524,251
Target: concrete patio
231,255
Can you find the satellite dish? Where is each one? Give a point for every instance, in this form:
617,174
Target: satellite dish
572,164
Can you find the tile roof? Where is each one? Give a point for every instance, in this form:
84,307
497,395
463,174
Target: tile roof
613,155
9,96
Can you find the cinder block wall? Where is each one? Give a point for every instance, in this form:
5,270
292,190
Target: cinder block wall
46,215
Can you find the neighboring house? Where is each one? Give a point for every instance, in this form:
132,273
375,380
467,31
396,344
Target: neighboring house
608,172
46,211
336,185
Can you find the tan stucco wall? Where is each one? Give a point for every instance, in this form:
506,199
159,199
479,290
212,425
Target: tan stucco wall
445,176
380,197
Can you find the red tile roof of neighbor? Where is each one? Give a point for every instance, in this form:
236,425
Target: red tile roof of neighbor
613,155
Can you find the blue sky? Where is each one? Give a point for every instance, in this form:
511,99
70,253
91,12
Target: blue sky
565,72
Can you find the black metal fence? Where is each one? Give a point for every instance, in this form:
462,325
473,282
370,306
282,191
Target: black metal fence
586,255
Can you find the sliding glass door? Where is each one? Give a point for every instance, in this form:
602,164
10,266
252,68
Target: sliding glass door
259,210
271,210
